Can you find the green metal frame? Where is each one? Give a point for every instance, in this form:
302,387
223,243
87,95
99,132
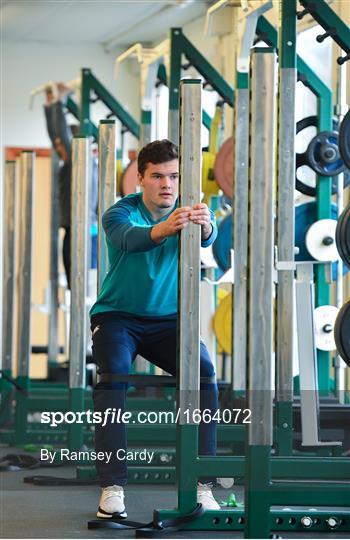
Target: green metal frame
88,83
279,520
180,45
325,16
74,110
268,33
262,490
206,119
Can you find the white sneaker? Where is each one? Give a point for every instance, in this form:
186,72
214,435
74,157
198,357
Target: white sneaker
112,502
206,497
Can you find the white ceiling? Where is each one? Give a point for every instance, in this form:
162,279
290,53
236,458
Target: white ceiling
110,23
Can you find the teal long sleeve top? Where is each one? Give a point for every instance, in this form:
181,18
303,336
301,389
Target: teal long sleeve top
142,275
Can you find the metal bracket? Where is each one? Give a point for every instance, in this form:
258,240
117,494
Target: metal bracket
310,421
285,265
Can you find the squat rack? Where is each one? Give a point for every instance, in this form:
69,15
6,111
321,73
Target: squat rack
261,491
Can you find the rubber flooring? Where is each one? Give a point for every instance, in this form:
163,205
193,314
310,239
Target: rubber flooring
28,511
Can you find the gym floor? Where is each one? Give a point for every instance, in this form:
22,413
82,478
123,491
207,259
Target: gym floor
28,511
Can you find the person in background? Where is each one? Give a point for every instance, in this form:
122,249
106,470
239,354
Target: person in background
61,138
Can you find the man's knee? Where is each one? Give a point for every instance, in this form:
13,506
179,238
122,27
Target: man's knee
207,368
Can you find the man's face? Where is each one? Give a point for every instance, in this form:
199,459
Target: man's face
160,184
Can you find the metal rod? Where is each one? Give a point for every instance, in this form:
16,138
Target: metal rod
146,128
79,247
309,392
341,109
27,171
188,360
307,355
261,245
8,281
173,129
53,288
189,265
175,74
285,236
240,237
107,182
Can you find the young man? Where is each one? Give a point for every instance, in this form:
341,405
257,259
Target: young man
136,310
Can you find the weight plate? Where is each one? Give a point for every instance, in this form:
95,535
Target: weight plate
119,175
223,244
344,139
323,154
342,236
320,240
302,185
130,183
324,321
306,215
342,333
207,257
222,323
223,167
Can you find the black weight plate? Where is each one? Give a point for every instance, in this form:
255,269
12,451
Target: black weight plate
345,235
344,139
339,238
342,236
326,141
301,186
309,121
342,332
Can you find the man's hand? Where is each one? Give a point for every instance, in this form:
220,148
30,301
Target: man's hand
201,216
50,98
178,220
61,91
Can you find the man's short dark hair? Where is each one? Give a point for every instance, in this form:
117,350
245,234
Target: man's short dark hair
156,152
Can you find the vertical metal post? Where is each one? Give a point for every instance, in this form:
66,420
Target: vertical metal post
146,125
9,220
341,108
85,127
53,290
189,283
7,269
260,275
305,305
79,247
107,182
175,75
240,233
285,228
323,200
27,172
